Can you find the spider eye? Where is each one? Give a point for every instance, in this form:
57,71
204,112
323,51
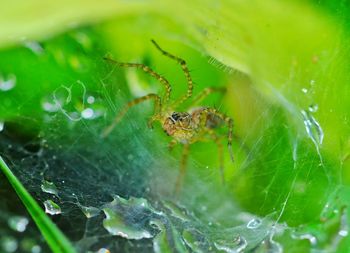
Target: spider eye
176,116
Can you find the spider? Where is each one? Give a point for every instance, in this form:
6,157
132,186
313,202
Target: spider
186,128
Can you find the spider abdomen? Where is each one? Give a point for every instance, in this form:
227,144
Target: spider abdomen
202,118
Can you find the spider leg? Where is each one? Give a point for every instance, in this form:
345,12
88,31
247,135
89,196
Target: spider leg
226,119
182,172
172,144
229,122
184,69
155,117
147,70
209,134
206,92
130,104
218,143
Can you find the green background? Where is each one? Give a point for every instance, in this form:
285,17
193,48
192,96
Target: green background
284,64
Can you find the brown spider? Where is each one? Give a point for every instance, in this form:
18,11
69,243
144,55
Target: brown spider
185,127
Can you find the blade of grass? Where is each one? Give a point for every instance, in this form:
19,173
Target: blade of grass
54,237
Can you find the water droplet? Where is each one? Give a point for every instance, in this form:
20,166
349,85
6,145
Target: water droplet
128,218
304,90
313,128
52,208
176,211
72,101
238,245
343,232
8,244
168,239
88,113
305,236
309,237
115,225
2,125
49,187
241,243
344,228
254,223
18,223
8,83
272,246
90,211
103,250
34,46
90,100
49,105
36,249
313,108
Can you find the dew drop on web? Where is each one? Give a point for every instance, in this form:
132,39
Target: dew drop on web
52,208
254,223
49,187
90,211
313,128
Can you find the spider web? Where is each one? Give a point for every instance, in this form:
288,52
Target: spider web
103,199
116,193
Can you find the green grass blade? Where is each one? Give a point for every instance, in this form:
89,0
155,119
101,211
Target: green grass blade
54,237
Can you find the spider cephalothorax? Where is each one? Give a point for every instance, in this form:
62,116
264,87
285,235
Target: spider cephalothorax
198,124
179,125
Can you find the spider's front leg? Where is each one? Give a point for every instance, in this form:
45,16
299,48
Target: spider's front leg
132,103
184,68
147,70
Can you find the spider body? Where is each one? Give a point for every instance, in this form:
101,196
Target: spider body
186,128
181,126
